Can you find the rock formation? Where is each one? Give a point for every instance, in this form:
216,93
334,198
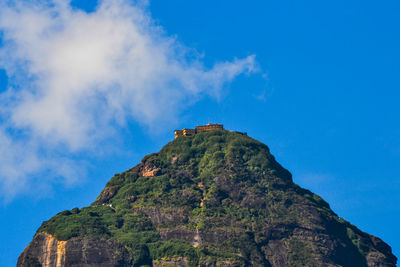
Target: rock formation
217,198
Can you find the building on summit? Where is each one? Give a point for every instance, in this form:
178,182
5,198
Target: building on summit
209,127
198,129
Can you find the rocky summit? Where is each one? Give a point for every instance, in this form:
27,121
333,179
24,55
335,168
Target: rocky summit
216,198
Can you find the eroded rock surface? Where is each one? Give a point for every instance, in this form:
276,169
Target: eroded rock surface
47,251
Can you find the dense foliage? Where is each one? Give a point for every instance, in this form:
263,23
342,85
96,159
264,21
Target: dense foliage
223,186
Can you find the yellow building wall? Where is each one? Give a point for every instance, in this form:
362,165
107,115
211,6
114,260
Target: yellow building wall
202,128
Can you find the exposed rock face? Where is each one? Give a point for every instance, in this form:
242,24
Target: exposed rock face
47,251
214,199
170,263
150,171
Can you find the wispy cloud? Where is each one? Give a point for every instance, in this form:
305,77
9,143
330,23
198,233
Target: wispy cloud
22,160
76,77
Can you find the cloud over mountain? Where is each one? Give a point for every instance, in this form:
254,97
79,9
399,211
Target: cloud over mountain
76,77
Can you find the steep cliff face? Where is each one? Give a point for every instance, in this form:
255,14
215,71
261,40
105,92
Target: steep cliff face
213,199
45,251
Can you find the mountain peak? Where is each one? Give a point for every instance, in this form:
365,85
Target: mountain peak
213,198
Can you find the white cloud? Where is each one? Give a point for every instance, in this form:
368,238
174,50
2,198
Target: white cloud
78,76
21,160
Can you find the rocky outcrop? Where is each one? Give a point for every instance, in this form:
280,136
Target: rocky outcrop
213,199
149,170
180,261
106,194
46,251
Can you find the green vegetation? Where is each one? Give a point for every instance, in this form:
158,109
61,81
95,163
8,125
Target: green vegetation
300,255
225,186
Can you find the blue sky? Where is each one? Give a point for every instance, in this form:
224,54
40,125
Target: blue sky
315,81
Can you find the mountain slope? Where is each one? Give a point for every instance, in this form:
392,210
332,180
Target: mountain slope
217,198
